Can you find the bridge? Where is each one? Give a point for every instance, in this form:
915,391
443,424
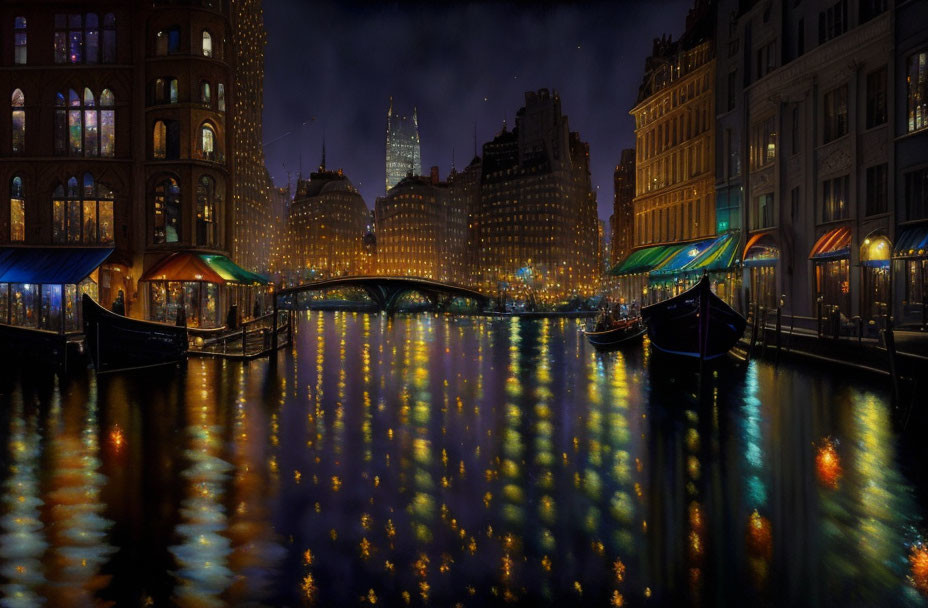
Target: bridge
386,291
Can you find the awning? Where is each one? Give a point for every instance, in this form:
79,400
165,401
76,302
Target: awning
875,251
683,255
719,255
186,266
50,265
643,260
760,250
832,245
912,242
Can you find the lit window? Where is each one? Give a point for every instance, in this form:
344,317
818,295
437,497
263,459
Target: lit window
159,139
17,211
205,93
207,44
166,209
221,97
207,144
167,42
917,91
18,139
207,200
83,214
90,126
19,41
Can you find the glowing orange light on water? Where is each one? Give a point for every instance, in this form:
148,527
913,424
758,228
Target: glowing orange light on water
759,537
828,464
117,439
918,564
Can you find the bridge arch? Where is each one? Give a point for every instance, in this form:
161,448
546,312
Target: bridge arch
386,291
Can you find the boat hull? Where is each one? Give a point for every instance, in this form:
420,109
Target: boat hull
696,324
618,337
115,342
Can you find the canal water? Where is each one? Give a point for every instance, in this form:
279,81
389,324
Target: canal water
433,460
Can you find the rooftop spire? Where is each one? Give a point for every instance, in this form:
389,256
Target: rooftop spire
322,166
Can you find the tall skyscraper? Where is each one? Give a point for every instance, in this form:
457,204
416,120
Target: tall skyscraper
403,155
622,222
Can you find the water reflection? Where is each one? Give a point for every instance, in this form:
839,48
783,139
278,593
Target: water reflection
436,460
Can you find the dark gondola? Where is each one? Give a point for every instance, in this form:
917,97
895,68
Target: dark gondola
116,342
621,333
696,324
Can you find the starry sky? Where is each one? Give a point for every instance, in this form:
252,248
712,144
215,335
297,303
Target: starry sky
330,68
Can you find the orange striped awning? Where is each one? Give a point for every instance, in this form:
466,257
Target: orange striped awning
835,243
182,266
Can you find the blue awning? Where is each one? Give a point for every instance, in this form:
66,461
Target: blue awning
50,265
912,242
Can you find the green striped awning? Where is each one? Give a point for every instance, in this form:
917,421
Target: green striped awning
232,272
643,260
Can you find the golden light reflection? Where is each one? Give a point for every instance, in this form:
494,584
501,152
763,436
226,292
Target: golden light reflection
828,463
918,567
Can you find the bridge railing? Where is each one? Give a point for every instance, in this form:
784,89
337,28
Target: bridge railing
252,339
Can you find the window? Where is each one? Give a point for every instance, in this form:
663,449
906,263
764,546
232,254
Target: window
205,95
877,185
221,97
77,38
916,195
917,91
766,59
835,113
763,142
164,90
732,89
832,22
166,207
109,38
794,134
19,41
206,145
167,42
876,97
83,213
762,216
18,134
17,211
207,199
207,44
159,140
91,126
835,199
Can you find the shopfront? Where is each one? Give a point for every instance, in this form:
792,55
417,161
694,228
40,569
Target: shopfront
911,260
41,288
875,277
760,259
831,259
633,272
200,288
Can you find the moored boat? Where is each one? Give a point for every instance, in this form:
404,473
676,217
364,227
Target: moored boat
617,334
696,324
115,342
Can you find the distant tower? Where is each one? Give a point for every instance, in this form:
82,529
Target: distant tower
403,155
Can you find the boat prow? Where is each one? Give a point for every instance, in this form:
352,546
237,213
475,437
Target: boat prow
695,324
116,342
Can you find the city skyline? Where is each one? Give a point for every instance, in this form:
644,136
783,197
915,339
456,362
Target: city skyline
467,53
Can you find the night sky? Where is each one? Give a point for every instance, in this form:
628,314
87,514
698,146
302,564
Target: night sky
333,66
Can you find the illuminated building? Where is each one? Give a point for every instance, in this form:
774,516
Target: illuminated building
674,202
328,220
251,242
138,151
621,223
811,87
464,187
537,219
280,200
420,233
402,147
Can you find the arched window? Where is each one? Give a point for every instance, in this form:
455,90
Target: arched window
18,138
166,208
17,211
165,90
19,41
159,140
207,202
207,44
205,93
207,144
221,97
84,213
167,41
109,38
91,126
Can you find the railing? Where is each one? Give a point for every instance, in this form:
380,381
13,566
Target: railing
253,338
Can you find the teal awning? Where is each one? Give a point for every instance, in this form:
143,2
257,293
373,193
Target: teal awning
643,260
232,272
719,255
912,242
50,265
